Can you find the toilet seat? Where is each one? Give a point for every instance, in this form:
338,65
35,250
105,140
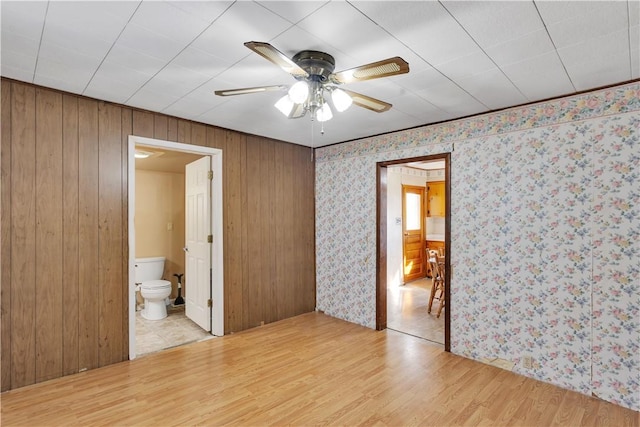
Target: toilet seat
155,284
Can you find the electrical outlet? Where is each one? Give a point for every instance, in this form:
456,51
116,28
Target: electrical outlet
527,362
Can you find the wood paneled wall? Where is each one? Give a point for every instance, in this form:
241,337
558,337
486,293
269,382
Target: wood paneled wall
64,251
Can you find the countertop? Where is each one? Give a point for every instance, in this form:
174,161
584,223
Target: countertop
435,237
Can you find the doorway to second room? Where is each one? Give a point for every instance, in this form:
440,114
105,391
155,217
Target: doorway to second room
160,234
167,190
415,233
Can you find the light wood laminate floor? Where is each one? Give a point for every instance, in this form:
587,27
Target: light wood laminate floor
407,311
308,370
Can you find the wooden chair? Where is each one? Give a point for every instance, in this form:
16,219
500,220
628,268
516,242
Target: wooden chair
437,285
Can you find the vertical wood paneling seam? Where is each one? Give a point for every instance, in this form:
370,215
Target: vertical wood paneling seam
6,254
35,254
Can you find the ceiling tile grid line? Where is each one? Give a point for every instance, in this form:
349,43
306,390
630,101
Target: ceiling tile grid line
350,2
564,67
248,54
44,23
483,51
426,61
629,32
178,54
111,47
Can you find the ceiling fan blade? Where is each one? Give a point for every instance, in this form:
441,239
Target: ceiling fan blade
243,91
368,102
386,67
274,55
298,111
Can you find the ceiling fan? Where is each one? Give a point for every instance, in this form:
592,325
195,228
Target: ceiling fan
314,72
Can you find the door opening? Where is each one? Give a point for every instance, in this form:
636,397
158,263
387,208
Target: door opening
205,282
404,243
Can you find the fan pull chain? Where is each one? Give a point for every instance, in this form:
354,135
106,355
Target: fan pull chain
312,139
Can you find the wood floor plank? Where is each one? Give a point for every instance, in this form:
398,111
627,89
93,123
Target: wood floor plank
307,370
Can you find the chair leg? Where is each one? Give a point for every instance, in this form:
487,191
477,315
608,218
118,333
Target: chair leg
442,301
434,285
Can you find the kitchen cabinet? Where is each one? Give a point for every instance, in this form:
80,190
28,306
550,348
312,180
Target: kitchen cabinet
436,205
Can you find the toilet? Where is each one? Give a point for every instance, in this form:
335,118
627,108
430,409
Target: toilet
154,290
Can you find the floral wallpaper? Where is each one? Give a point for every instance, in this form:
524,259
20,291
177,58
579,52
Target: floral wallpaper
545,232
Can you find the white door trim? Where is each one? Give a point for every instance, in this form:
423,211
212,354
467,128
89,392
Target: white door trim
217,261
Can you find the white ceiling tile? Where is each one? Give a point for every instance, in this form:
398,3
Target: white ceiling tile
82,43
188,107
492,22
54,74
149,43
424,78
553,12
519,49
98,19
493,89
15,73
206,91
467,66
540,77
174,23
18,53
24,17
69,57
634,37
200,61
130,78
207,11
253,71
153,100
597,50
135,60
589,75
179,77
292,11
448,96
365,39
18,61
634,12
425,26
415,106
105,91
588,23
242,22
295,39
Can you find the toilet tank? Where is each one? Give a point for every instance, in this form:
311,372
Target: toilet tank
149,269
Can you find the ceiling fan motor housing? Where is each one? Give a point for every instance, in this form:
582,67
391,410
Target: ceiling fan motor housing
319,65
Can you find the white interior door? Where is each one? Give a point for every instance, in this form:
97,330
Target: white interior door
198,248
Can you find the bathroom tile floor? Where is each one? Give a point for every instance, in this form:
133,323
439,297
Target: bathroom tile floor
174,330
407,311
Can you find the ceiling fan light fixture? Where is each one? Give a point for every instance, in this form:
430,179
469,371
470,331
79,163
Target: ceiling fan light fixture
324,113
341,100
285,105
299,92
141,154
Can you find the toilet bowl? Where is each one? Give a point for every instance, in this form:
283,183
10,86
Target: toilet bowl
148,275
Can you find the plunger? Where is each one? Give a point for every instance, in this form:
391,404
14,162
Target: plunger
179,300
